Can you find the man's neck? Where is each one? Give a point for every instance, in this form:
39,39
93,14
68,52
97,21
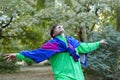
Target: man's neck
63,35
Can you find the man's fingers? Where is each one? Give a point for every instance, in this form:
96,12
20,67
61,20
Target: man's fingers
104,41
7,56
8,59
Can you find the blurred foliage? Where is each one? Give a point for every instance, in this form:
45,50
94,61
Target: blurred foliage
105,61
32,20
7,67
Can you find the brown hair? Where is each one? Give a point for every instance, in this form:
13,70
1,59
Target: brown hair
52,30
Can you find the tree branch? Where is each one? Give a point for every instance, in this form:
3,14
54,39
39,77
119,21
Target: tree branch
8,23
92,27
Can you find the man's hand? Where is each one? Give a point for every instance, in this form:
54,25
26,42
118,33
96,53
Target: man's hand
10,57
103,41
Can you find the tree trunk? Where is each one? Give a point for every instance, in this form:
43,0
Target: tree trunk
118,18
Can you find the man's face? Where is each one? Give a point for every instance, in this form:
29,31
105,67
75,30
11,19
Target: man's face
58,30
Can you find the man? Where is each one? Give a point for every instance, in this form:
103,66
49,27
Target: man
63,53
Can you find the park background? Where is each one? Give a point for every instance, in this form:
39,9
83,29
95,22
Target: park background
30,27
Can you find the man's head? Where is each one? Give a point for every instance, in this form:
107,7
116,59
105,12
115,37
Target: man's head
56,30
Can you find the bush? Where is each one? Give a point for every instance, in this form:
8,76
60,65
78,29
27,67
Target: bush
105,62
7,67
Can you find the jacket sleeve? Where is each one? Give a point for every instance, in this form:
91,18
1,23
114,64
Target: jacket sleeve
87,47
22,57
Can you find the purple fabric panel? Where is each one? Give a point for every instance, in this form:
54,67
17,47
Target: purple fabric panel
51,46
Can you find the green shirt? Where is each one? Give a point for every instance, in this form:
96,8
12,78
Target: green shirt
63,65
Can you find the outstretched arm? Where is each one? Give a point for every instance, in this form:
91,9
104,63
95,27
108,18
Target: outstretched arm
37,55
18,56
88,47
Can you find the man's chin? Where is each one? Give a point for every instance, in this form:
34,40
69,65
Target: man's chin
62,31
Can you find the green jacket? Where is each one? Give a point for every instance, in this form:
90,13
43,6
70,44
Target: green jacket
63,65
